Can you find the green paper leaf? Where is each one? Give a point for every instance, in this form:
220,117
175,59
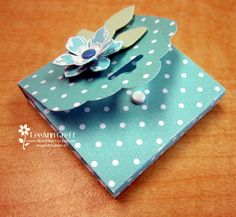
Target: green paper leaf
119,20
85,33
131,36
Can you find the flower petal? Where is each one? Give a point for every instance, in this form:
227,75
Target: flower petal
100,36
66,60
106,45
100,65
72,71
77,44
115,47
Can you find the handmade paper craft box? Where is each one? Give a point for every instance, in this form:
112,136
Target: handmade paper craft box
126,92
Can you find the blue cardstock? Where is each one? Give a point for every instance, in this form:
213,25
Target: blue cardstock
118,140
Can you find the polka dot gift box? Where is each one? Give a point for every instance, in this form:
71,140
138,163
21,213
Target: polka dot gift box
126,92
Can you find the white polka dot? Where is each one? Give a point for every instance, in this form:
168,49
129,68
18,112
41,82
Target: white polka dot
77,145
113,62
53,88
180,122
133,57
43,82
122,125
115,163
181,105
154,41
35,92
148,63
151,51
144,107
216,88
182,90
136,161
104,86
185,61
46,111
44,100
172,23
106,109
164,90
77,104
71,84
119,143
168,62
126,108
183,75
135,47
145,76
163,106
128,92
159,141
199,89
94,163
34,76
98,144
155,31
55,109
161,123
143,19
84,91
82,126
157,21
200,74
50,71
139,141
64,95
142,124
166,76
26,86
102,126
60,77
111,183
199,105
171,33
125,81
87,109
147,91
62,127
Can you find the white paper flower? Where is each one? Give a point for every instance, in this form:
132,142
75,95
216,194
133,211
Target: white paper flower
91,53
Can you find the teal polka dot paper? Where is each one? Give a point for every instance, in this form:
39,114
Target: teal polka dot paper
118,140
132,67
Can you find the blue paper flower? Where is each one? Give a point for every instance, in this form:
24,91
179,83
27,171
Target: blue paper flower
84,54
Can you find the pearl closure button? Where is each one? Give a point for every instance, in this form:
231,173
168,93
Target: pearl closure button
138,97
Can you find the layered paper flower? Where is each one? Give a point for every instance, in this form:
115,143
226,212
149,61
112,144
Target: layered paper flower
83,54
